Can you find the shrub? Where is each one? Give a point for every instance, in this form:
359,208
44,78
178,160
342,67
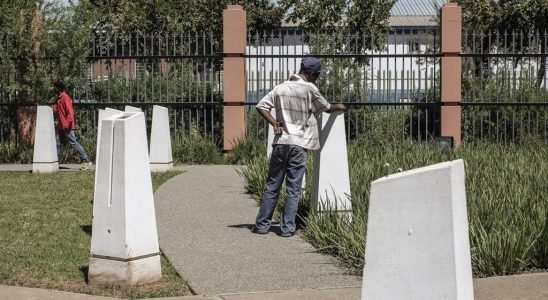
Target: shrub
195,150
11,154
246,150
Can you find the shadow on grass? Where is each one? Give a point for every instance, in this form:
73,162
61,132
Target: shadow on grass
86,228
85,270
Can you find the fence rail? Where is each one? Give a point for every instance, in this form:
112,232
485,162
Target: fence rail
397,84
504,76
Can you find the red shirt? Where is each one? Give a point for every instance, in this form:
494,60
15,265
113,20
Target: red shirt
65,113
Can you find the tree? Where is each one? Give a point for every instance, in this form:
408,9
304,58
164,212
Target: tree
41,41
508,17
342,27
178,15
365,18
527,16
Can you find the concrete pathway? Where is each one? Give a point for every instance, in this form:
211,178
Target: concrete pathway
28,167
204,224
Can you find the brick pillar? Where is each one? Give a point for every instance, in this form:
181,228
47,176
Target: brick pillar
234,43
451,25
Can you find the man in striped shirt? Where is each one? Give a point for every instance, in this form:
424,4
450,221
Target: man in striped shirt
297,103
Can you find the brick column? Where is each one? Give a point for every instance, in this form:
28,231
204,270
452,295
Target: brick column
451,69
234,43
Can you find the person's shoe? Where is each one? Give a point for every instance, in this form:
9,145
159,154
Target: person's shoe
86,166
259,231
287,234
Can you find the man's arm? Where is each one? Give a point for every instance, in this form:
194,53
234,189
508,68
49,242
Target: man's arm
336,107
278,126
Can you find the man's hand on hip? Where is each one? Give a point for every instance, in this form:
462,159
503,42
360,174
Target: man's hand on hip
279,128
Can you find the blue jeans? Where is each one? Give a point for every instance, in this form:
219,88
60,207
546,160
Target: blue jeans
64,135
289,162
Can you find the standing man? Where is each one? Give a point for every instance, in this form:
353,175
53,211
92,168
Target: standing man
66,123
297,102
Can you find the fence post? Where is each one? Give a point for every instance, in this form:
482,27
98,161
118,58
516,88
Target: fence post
234,43
451,69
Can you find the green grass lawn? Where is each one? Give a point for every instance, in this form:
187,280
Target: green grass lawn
45,221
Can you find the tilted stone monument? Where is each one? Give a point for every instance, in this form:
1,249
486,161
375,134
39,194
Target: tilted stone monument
331,178
44,157
161,158
124,242
113,110
129,108
417,245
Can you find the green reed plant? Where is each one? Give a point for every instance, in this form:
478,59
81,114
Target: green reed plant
507,199
246,149
195,150
11,154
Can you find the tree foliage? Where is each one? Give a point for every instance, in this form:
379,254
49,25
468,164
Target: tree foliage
178,15
509,20
365,18
526,15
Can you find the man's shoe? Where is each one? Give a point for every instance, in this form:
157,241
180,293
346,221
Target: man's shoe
287,234
86,166
259,231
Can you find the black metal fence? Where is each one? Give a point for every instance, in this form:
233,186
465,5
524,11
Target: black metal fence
505,86
392,92
180,71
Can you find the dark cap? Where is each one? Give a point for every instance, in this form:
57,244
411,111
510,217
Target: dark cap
312,64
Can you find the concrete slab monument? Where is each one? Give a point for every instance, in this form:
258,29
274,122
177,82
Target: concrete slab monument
44,157
124,241
103,114
161,158
129,108
417,243
113,110
331,179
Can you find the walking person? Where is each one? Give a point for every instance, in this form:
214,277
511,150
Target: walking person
297,102
66,124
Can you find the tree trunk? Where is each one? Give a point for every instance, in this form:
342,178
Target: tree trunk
26,124
27,54
542,69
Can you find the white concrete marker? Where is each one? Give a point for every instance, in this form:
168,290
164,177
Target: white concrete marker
124,241
113,110
331,179
161,158
103,114
417,245
132,109
44,159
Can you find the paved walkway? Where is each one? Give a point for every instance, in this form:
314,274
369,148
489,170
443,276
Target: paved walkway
208,240
204,222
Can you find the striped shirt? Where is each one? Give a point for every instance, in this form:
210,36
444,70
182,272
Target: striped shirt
297,103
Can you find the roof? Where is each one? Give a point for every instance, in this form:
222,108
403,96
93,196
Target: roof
416,7
412,21
415,13
407,13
